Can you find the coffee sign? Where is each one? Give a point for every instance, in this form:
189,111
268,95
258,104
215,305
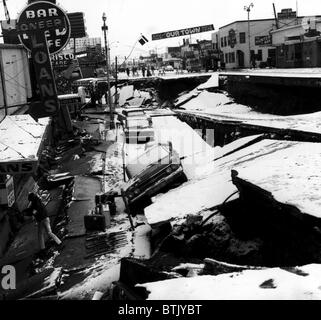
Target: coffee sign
47,18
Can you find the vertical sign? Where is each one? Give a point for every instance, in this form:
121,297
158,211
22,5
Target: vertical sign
44,74
44,29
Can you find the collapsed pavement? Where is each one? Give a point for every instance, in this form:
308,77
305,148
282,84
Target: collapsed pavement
225,218
249,228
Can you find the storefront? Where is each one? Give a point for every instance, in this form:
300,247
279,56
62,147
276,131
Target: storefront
22,140
298,46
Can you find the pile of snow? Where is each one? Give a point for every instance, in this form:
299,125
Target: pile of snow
266,284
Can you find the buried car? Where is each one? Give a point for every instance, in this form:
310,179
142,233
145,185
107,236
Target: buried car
138,130
157,168
132,113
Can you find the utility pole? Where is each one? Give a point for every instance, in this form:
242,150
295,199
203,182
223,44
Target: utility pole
6,11
110,104
275,17
116,81
248,9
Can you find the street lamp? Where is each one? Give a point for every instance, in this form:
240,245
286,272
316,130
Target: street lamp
248,9
111,109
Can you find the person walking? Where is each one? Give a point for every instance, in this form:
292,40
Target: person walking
148,72
38,210
143,71
127,71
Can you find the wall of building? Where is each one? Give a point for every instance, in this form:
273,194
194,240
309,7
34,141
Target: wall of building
295,49
233,54
15,88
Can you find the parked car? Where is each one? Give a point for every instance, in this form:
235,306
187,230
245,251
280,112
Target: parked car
138,130
169,68
157,168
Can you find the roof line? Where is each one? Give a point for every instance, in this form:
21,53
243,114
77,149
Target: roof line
255,20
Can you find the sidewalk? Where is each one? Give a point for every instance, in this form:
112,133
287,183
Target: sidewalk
25,245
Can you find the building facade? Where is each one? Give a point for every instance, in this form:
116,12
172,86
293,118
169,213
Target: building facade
243,49
299,45
81,44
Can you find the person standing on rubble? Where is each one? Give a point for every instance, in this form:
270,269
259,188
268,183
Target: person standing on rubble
37,209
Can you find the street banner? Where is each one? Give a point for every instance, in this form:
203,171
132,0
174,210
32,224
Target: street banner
182,32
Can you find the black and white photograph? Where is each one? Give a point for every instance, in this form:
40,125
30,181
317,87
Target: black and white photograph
162,151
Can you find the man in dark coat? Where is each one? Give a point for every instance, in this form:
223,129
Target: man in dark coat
37,209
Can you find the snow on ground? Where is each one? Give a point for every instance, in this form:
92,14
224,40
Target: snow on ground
291,174
48,282
211,184
20,137
191,198
237,144
125,93
185,140
186,97
206,101
212,82
266,284
220,106
293,73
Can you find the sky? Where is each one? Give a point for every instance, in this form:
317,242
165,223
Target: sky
127,19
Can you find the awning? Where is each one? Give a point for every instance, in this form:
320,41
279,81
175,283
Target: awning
20,143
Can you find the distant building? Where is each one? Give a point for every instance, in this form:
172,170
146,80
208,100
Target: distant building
83,43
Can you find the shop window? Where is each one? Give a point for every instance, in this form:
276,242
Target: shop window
226,58
242,37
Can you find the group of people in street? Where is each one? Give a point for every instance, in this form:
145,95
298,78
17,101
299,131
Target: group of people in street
146,71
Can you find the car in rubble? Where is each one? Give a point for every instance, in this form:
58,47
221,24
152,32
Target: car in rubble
132,113
138,130
157,168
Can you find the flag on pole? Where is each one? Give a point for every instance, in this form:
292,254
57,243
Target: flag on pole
142,40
